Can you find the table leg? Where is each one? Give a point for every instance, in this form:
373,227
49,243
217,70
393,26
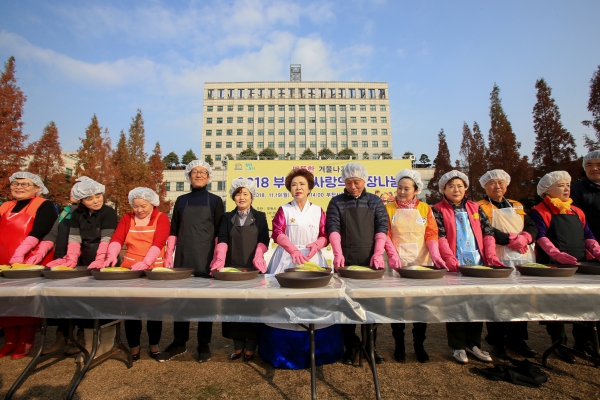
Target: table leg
88,359
33,363
313,365
371,357
595,359
594,329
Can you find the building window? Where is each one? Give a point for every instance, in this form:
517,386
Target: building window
301,108
179,186
323,132
240,108
352,93
342,108
250,132
239,145
344,144
228,145
384,131
311,108
207,145
321,108
363,131
250,120
333,144
281,132
332,120
365,143
323,144
322,120
373,120
363,120
342,119
292,120
218,157
229,108
261,145
312,120
221,94
271,132
209,132
221,185
281,120
363,94
303,132
353,132
240,120
381,108
333,131
313,132
219,108
302,120
218,145
373,107
352,108
281,108
271,145
373,131
271,108
271,120
281,145
363,108
292,132
209,108
384,120
261,132
375,144
291,108
352,120
384,144
261,120
168,186
250,108
292,145
230,120
354,143
261,108
331,108
343,132
313,144
240,132
209,120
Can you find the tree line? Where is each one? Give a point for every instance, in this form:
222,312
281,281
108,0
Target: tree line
554,146
120,170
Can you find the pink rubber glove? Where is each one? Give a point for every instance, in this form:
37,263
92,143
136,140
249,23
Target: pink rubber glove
70,260
259,261
171,242
43,249
114,248
286,243
377,258
434,251
151,256
552,251
316,246
25,247
393,259
98,263
489,250
593,247
519,241
589,256
447,255
219,256
338,255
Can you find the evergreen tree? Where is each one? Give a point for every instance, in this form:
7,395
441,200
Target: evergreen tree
209,160
12,140
346,153
326,154
47,162
188,157
407,155
385,156
478,162
121,187
95,156
554,145
268,154
157,183
138,174
171,160
594,108
308,155
248,154
424,161
442,165
464,164
365,156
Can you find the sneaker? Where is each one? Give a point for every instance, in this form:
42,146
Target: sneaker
480,354
171,352
461,356
204,353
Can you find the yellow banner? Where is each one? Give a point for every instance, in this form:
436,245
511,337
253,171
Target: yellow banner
269,176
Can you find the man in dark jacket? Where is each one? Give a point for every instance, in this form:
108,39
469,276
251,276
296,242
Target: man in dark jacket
586,192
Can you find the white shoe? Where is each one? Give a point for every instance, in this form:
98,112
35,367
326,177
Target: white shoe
461,356
480,354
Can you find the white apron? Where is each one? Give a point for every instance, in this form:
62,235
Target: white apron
509,221
408,237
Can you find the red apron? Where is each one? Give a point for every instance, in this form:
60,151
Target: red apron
139,240
15,227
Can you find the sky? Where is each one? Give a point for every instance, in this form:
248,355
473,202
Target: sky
440,59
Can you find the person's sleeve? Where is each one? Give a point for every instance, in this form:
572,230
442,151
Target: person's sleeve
122,230
431,230
587,232
74,233
530,227
175,219
333,218
163,228
108,225
323,225
439,220
223,231
279,224
45,217
219,211
381,216
263,228
486,227
538,220
52,236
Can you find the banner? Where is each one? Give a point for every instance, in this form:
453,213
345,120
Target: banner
269,176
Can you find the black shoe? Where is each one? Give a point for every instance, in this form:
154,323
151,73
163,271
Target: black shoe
350,355
378,357
585,348
565,356
400,353
421,354
135,357
499,351
522,349
204,353
154,354
171,352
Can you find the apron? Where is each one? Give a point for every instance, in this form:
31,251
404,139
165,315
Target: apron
90,240
14,228
466,245
358,235
242,243
566,233
507,220
302,228
196,239
139,240
62,235
408,237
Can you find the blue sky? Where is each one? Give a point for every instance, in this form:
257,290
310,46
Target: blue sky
440,59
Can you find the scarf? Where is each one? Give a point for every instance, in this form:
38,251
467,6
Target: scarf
406,204
563,206
243,214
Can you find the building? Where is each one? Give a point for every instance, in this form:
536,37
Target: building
291,117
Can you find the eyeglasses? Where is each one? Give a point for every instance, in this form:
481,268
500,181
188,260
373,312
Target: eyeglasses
16,184
199,173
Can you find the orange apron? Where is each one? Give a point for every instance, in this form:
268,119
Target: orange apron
139,240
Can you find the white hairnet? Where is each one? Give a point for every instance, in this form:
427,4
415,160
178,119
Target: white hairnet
448,176
243,183
198,163
499,174
550,179
145,194
86,187
37,181
355,170
594,155
413,175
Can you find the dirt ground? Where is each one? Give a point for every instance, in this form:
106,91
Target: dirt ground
184,378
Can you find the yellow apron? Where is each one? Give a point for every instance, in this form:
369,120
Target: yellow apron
408,237
509,221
